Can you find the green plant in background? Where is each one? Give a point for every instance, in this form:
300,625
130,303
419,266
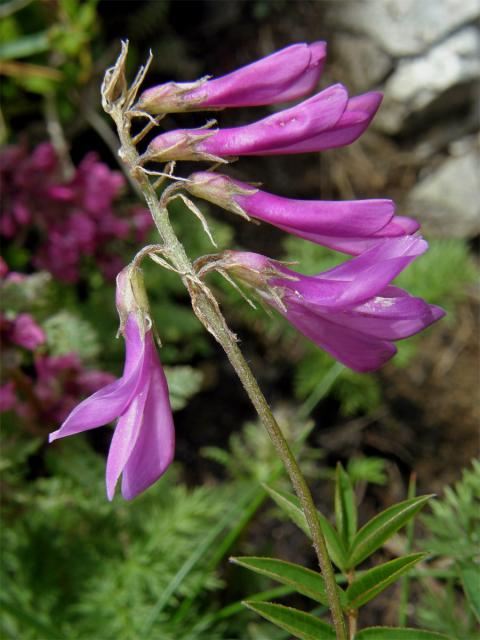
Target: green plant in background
452,604
156,560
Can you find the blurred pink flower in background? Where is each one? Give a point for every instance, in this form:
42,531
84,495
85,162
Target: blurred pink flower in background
66,220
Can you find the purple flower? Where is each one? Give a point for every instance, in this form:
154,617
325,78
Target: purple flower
22,331
351,311
285,75
143,441
26,332
328,119
8,399
70,219
348,226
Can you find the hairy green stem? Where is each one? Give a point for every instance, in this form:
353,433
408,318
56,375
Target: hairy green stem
209,314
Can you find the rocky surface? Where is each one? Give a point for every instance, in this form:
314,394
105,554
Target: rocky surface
447,200
404,27
417,82
424,56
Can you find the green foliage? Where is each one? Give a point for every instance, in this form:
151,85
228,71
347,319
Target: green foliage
183,383
97,569
380,528
347,549
251,453
441,274
290,505
454,522
345,507
67,332
33,293
371,470
452,605
302,625
49,52
308,583
388,633
372,582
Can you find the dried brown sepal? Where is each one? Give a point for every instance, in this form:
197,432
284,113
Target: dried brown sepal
114,85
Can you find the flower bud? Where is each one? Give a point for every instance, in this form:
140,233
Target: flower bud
131,298
283,76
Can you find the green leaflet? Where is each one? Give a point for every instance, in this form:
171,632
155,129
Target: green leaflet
307,582
302,625
383,526
290,505
375,580
387,633
345,507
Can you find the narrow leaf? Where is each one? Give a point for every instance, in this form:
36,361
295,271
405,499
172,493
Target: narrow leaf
290,505
400,633
375,580
302,625
383,526
25,46
307,582
470,576
345,507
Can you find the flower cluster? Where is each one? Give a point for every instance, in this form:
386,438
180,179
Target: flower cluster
352,311
36,385
66,220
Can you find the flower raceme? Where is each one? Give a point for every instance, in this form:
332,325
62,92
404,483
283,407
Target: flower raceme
348,226
282,76
143,442
351,311
326,120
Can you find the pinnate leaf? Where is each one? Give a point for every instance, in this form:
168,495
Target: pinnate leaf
183,382
372,535
374,581
401,633
290,505
302,625
470,576
307,582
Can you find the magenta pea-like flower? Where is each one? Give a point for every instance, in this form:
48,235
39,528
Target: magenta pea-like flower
282,76
143,442
352,311
326,120
348,226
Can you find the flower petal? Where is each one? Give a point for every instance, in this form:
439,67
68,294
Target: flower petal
125,435
279,77
155,446
393,315
350,127
110,402
352,348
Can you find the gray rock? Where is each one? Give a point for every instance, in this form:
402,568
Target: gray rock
416,83
404,27
364,62
447,201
